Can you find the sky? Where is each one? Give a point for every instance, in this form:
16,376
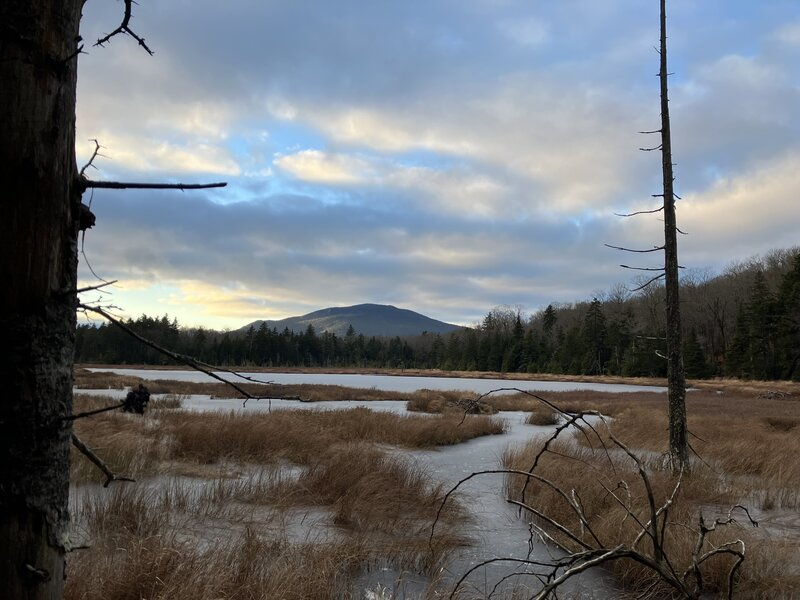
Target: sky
446,156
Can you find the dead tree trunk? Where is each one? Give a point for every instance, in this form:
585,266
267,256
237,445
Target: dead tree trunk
678,440
38,262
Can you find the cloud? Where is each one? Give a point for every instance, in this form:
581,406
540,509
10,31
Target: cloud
570,145
321,167
146,155
746,213
526,32
445,156
789,34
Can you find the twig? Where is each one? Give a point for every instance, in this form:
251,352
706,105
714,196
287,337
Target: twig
648,282
653,249
642,268
90,288
124,28
96,411
638,212
90,162
98,462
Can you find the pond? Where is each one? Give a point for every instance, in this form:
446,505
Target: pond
392,383
495,528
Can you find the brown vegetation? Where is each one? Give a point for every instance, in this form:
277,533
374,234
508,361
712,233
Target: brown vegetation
225,535
543,416
746,434
223,541
749,455
147,445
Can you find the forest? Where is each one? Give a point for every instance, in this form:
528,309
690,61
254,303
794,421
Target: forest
744,322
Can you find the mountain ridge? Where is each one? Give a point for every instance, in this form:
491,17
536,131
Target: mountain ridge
382,320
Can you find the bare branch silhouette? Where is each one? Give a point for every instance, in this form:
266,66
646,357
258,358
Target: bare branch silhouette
126,185
653,249
124,28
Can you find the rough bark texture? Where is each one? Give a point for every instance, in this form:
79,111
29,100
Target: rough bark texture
678,441
40,199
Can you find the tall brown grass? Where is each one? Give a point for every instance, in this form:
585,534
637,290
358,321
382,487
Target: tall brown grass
169,566
749,454
543,416
226,536
142,446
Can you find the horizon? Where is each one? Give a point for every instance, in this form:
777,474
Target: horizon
450,157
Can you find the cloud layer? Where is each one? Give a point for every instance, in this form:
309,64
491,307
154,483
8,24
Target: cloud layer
442,156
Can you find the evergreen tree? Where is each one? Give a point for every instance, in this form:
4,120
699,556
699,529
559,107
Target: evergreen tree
788,322
595,337
753,352
694,359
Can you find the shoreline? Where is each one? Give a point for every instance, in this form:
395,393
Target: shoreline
787,387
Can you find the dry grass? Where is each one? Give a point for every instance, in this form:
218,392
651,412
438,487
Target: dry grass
226,537
543,417
746,433
167,401
751,448
142,446
303,436
442,401
180,543
752,441
246,568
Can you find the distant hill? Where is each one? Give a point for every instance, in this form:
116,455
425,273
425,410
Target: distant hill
367,319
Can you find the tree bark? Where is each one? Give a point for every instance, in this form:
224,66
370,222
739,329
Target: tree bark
676,382
38,262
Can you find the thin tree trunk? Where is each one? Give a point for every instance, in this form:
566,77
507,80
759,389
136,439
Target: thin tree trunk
38,260
678,440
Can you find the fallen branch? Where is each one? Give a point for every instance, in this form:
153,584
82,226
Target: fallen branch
98,462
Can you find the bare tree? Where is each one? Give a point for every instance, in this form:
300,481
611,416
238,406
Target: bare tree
39,44
43,216
676,382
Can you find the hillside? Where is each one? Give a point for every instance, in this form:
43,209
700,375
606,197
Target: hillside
367,319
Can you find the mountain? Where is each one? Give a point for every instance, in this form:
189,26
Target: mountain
367,319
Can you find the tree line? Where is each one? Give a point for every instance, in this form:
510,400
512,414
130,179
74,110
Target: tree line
743,323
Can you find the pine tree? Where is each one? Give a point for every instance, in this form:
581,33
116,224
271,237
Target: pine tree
595,336
788,323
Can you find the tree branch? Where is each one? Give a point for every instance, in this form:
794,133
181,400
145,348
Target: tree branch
648,282
181,358
98,462
96,411
642,268
125,29
639,212
90,162
654,249
128,185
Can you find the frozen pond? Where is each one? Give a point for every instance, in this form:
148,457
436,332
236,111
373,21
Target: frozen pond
392,383
495,528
